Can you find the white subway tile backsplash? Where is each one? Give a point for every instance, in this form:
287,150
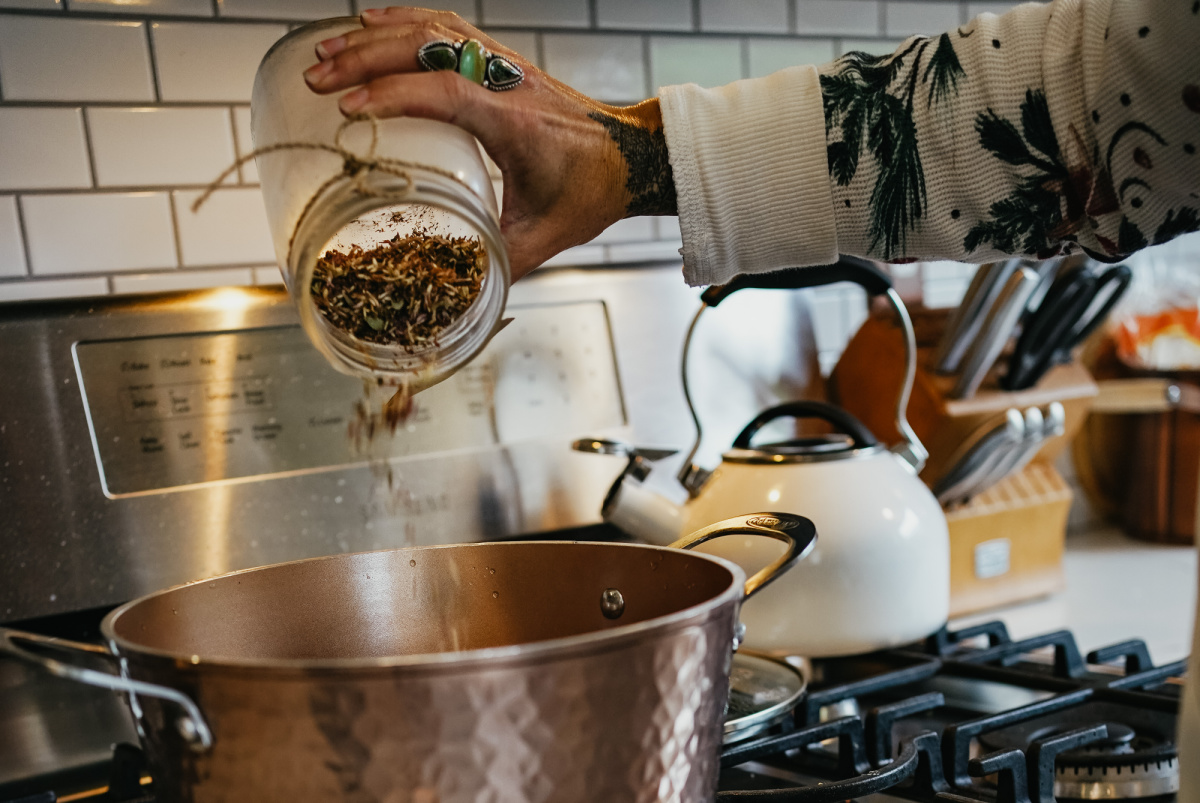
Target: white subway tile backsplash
579,255
941,293
463,8
627,230
744,16
12,250
926,18
268,276
42,149
245,143
182,280
661,15
771,55
605,66
829,318
99,233
876,47
524,42
150,147
947,269
48,5
549,13
666,227
655,251
57,58
291,10
231,228
34,290
200,61
838,17
194,8
708,61
975,9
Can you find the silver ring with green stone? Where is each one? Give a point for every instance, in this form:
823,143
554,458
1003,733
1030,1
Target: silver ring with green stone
468,58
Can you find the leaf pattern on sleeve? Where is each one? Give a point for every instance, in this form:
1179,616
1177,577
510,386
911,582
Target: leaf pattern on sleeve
869,100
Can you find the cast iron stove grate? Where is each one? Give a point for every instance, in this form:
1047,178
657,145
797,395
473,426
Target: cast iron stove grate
973,716
970,716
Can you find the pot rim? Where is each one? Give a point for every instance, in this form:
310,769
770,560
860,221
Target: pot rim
443,661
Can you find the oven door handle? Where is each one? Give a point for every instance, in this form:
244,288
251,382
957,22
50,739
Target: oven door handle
191,724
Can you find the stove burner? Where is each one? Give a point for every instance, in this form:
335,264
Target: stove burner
1137,759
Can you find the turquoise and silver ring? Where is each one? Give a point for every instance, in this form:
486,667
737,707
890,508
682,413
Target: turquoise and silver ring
470,59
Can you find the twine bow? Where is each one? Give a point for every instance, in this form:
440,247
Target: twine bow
356,167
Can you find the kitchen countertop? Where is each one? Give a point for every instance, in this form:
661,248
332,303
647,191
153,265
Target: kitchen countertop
1118,588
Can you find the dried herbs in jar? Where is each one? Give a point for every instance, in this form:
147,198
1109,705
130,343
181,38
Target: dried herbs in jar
403,292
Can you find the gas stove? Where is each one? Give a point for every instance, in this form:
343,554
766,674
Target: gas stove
969,715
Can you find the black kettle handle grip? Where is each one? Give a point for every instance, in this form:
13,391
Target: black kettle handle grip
846,269
842,420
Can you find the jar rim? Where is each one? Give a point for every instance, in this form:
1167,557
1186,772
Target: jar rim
341,204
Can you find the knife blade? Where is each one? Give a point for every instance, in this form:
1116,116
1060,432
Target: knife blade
964,323
995,332
980,458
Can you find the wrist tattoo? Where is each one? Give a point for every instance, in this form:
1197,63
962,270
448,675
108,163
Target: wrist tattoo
650,182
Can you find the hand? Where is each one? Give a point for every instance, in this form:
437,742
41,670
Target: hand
572,166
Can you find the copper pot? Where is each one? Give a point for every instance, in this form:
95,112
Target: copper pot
516,671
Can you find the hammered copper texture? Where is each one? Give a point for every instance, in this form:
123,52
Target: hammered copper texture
619,711
640,724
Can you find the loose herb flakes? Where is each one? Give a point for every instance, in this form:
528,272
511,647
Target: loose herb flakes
403,292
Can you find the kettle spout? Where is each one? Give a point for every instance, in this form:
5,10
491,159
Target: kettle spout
630,505
642,512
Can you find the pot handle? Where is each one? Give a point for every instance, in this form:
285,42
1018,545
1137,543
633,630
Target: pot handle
191,724
796,531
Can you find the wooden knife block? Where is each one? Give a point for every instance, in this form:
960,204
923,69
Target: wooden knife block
869,374
1007,543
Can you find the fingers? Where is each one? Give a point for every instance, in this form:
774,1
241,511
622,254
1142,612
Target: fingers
444,96
460,28
383,52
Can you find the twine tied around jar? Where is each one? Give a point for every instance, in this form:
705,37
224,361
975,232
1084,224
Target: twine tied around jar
356,167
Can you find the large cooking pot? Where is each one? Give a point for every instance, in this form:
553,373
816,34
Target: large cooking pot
517,671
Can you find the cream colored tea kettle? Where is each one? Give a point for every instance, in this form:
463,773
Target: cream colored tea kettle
880,575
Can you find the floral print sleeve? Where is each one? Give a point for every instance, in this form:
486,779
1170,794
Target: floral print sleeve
1056,127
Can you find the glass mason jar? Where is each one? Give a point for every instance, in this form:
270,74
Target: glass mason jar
318,200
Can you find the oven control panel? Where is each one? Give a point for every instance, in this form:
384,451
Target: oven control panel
176,411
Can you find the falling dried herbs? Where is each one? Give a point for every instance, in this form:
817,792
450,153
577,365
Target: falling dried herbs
403,292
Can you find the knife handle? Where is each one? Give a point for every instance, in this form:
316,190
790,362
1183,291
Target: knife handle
995,332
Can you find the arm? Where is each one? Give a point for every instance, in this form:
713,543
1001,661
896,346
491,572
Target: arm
1050,129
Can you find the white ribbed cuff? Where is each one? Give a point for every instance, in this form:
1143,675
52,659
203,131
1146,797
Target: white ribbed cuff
751,175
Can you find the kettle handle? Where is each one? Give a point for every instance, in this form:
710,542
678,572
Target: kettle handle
841,419
797,532
846,269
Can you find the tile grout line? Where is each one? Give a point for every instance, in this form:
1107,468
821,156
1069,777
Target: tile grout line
647,63
479,11
171,200
695,16
593,15
153,63
87,144
793,17
237,147
21,229
744,53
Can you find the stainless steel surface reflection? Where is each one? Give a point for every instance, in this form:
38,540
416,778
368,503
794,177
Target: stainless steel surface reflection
66,546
